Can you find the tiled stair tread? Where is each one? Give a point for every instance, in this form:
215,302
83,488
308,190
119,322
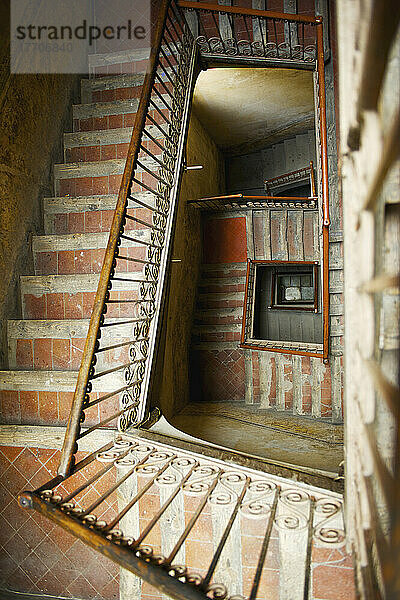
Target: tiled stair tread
73,204
105,137
87,282
62,329
50,381
114,166
80,241
99,136
113,107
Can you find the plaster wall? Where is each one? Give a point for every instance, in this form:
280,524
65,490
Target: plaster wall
201,150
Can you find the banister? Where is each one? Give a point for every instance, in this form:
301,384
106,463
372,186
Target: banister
251,12
325,185
108,264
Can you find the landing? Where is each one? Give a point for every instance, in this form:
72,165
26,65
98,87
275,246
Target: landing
281,437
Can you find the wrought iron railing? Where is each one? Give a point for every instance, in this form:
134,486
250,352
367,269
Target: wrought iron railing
243,201
147,199
142,487
253,35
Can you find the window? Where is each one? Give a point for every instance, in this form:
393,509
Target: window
294,289
282,309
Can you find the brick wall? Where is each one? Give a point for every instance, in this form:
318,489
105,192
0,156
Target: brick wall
219,369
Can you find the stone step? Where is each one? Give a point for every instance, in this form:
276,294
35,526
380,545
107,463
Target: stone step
52,381
222,272
82,241
58,344
230,332
216,346
228,284
335,236
115,114
105,144
227,300
126,61
336,265
91,89
85,214
69,296
121,61
216,328
84,253
99,177
118,83
44,397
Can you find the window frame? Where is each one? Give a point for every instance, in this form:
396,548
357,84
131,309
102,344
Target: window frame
247,341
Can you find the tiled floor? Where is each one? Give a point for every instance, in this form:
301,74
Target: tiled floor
36,555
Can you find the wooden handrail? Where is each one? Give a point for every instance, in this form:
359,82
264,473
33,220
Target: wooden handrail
322,121
325,185
251,12
246,197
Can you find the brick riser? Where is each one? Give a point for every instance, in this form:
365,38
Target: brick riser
88,220
66,305
68,262
22,407
61,354
114,121
103,152
101,184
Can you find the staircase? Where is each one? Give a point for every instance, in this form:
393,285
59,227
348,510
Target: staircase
46,345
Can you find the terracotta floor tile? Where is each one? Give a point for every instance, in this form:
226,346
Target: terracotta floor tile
24,356
10,406
42,352
29,403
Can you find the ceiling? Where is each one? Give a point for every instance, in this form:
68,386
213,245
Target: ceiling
244,109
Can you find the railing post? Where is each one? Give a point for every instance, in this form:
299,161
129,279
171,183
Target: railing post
325,185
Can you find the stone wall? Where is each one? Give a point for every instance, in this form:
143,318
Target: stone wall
370,175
